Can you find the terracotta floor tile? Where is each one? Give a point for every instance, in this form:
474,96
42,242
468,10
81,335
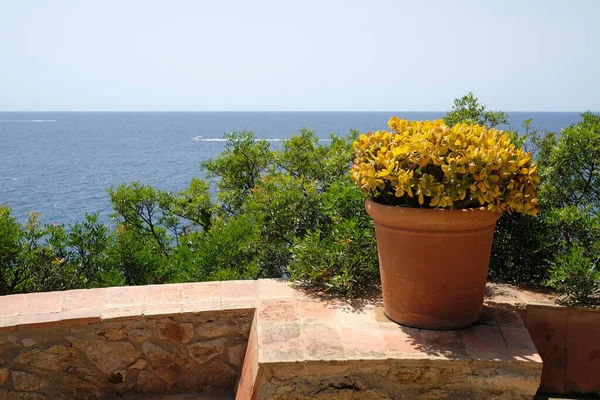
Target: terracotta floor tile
163,294
445,344
274,289
201,291
322,342
362,343
8,323
41,303
82,299
364,317
442,339
517,338
524,355
239,290
483,336
314,310
485,343
124,296
279,336
11,305
481,353
277,311
403,340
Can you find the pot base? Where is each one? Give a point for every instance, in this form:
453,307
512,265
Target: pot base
432,327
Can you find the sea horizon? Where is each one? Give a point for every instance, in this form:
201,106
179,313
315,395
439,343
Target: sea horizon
278,111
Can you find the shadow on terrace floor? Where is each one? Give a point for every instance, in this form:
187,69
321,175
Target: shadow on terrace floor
356,304
484,341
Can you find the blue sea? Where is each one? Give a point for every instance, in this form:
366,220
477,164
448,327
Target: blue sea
61,163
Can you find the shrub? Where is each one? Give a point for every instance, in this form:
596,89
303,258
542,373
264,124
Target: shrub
11,270
341,257
238,168
37,257
227,251
572,166
467,109
520,250
576,275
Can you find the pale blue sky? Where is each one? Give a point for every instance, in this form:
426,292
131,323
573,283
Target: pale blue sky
516,55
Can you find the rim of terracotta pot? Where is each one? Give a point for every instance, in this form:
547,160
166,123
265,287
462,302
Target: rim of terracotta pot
426,219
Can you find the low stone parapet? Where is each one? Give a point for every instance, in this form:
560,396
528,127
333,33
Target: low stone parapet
103,343
302,347
262,339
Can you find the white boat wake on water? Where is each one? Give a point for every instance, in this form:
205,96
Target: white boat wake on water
27,120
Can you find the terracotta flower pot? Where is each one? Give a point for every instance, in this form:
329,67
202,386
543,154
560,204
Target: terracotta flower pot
433,263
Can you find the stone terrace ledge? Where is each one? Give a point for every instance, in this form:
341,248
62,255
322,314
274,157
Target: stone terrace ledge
300,345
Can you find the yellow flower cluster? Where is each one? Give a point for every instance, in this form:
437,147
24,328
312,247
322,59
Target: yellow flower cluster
447,167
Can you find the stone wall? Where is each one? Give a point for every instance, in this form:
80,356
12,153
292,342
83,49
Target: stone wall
399,380
201,352
265,338
307,347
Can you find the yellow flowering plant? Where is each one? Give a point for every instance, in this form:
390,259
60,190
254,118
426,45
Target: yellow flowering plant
429,164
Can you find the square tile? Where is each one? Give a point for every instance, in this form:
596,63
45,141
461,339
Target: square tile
83,299
279,336
239,290
201,291
163,294
124,296
362,343
314,310
403,341
11,305
322,342
277,311
42,303
274,289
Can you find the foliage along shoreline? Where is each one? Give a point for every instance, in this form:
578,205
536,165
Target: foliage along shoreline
295,211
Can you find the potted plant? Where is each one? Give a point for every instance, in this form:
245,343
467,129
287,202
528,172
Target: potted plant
436,194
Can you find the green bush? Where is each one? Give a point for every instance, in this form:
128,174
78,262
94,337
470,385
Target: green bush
340,257
225,252
577,276
35,257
